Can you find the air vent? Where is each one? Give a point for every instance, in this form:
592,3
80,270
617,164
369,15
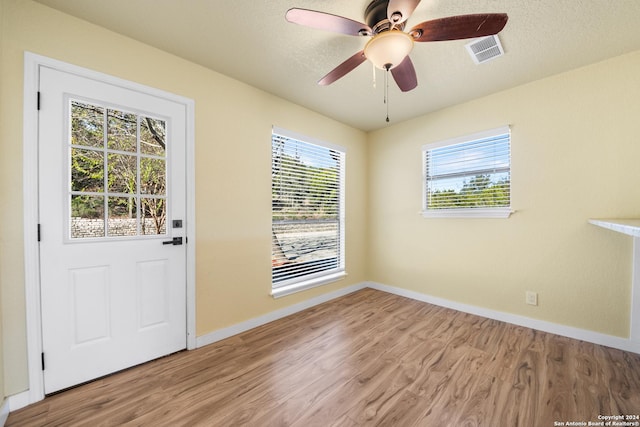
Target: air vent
485,49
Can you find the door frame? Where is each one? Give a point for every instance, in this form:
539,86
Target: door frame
32,65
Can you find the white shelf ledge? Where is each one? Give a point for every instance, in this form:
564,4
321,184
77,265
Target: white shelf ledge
630,227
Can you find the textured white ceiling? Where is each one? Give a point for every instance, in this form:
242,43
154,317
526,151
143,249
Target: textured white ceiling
250,41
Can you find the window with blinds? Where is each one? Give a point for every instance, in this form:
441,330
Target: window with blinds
307,205
469,175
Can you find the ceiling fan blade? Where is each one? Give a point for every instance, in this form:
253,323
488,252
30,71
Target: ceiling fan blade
399,11
342,69
327,22
405,75
459,27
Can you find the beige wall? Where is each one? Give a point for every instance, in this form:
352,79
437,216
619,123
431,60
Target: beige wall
233,171
3,247
575,151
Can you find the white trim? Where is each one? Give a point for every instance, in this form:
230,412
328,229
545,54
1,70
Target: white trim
19,401
342,205
190,231
31,219
232,330
540,325
4,412
23,399
32,64
630,227
308,284
468,213
466,138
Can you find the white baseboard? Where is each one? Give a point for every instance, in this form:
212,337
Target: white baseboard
4,412
625,344
20,400
15,402
232,330
540,325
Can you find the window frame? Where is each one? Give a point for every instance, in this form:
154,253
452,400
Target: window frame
479,212
106,193
318,278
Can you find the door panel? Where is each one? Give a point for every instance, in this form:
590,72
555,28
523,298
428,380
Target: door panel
90,296
153,293
111,179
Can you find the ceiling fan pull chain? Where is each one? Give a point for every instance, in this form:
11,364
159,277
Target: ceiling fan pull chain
386,89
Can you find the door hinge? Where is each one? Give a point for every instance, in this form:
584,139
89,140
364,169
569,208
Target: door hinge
38,101
38,232
42,357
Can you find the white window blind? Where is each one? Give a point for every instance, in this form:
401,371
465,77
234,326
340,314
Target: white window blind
469,175
307,190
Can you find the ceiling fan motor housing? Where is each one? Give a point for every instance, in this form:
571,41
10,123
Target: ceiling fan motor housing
375,16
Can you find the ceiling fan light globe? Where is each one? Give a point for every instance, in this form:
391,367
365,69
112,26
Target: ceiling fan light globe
389,47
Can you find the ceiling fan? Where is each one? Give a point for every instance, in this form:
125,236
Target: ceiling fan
389,46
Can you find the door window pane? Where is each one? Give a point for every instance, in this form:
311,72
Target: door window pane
87,216
122,133
153,216
122,173
122,216
87,124
87,170
153,139
152,176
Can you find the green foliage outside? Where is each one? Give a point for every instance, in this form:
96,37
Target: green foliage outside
303,192
478,192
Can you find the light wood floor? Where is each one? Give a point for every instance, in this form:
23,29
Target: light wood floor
369,358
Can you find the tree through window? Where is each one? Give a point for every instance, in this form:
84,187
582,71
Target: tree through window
117,172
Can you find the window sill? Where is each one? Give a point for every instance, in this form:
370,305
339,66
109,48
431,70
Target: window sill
468,213
307,284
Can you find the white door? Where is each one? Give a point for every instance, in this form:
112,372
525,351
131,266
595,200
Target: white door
111,210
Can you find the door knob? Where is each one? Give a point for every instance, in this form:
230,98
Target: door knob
175,241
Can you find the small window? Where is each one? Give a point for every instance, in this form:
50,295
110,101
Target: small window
118,178
469,176
307,200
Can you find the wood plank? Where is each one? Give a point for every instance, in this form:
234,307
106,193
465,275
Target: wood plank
368,358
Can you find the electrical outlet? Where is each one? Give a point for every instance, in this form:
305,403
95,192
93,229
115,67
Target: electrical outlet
531,298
